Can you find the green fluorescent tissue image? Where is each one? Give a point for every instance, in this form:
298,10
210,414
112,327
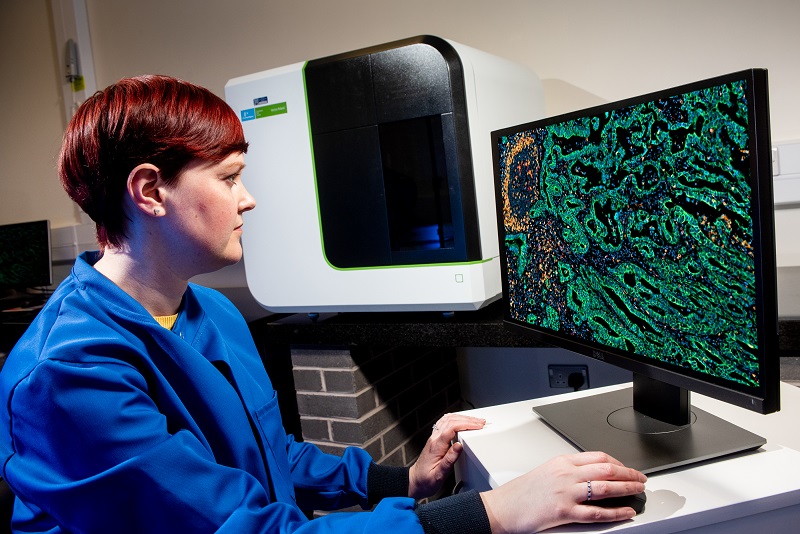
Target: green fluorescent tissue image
632,229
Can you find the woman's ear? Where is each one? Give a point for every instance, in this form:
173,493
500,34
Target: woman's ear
144,189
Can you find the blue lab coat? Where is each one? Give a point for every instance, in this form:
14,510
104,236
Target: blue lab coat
112,423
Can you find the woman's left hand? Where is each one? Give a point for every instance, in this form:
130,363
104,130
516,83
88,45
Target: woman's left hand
437,458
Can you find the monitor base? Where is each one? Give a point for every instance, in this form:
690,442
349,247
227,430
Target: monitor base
608,423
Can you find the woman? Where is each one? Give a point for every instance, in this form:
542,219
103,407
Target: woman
137,402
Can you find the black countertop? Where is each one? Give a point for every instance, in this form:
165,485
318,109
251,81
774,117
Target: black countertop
482,328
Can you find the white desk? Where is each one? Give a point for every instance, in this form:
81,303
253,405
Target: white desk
753,492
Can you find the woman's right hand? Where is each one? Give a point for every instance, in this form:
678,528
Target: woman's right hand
556,493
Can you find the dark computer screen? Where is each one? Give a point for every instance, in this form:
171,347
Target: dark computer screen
641,233
25,257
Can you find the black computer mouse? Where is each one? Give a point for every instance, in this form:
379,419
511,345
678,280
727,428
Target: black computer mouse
636,502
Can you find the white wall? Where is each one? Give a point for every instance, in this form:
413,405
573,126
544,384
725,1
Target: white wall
586,51
31,116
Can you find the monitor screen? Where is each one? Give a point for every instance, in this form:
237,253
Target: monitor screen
641,233
25,258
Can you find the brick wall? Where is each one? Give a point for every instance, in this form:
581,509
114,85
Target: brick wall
382,400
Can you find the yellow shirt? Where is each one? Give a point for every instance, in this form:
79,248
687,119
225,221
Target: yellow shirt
167,321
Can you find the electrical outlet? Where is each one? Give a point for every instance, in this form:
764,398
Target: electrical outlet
569,376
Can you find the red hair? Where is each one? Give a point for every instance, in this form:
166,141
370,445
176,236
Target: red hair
148,119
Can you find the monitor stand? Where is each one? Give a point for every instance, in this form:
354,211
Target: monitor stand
608,422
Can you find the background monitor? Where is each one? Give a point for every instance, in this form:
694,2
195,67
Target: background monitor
25,257
640,233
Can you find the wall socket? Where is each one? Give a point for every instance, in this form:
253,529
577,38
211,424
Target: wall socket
575,377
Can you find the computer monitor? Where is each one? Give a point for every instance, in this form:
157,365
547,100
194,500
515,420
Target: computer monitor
25,257
641,233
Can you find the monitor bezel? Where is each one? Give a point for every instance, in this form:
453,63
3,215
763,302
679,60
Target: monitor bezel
762,399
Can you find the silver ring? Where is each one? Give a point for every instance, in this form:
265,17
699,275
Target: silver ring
588,490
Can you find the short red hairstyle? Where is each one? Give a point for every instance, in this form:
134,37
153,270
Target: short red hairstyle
148,119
